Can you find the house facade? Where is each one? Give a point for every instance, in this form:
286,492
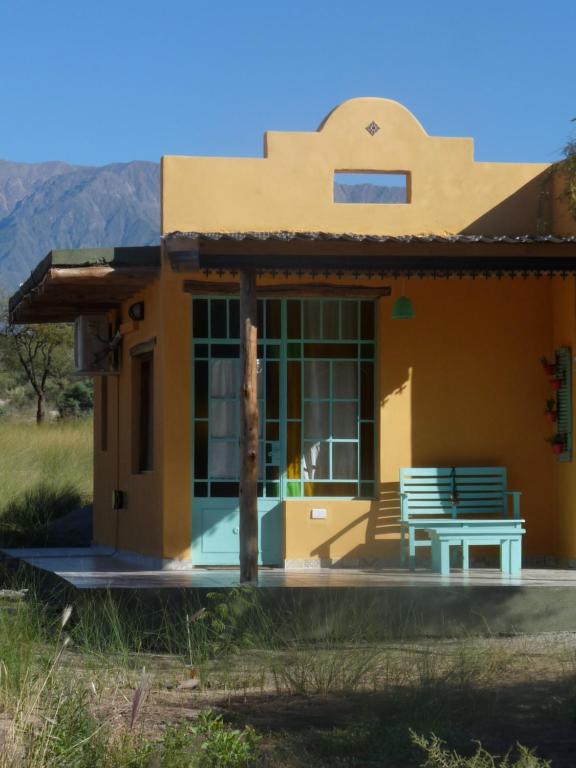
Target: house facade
347,394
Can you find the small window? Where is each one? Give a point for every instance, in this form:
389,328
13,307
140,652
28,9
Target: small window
143,412
371,188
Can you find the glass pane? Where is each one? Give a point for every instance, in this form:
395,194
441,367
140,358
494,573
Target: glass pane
272,390
316,379
223,419
331,350
345,420
294,350
272,430
224,489
272,473
200,318
315,462
272,351
344,461
367,451
316,419
201,350
367,319
260,319
367,390
234,319
201,450
260,377
226,350
294,391
367,351
218,318
293,450
223,378
273,315
345,379
201,389
292,489
224,460
272,490
330,328
349,320
311,316
293,310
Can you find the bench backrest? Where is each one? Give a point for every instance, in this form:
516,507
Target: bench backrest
453,491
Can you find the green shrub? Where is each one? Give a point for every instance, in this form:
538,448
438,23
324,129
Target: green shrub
437,756
76,400
222,747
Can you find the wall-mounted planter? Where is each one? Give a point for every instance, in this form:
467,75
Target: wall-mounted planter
555,384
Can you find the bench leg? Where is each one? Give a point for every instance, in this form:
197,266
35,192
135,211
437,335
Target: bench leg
465,556
441,557
444,558
515,556
402,548
411,550
505,556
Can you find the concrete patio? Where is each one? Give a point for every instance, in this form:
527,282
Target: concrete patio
102,568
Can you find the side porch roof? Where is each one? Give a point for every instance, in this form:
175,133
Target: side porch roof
67,283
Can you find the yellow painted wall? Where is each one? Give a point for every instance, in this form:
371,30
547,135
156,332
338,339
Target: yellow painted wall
565,475
459,384
291,187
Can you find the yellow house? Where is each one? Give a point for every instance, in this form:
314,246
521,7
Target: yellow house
484,252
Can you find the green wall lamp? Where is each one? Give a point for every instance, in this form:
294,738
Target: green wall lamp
403,309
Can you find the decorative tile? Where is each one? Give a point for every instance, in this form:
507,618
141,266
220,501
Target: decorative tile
373,128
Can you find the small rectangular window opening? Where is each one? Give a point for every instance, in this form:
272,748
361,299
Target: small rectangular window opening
362,188
143,410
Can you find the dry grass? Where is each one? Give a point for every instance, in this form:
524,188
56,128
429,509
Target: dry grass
49,467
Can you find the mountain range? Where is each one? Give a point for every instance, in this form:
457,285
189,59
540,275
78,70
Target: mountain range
57,205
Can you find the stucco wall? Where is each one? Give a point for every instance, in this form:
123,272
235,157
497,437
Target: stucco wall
459,384
291,187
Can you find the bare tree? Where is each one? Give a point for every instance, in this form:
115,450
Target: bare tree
42,352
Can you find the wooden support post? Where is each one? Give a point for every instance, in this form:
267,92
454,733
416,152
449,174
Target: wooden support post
248,428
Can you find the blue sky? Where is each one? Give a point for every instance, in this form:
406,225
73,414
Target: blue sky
98,81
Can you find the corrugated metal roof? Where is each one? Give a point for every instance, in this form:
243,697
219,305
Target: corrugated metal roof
286,236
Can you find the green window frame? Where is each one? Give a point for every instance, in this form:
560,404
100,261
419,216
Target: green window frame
335,338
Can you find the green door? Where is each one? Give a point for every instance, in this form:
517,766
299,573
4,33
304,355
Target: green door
215,512
316,400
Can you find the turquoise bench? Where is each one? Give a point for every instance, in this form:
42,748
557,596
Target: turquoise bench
459,506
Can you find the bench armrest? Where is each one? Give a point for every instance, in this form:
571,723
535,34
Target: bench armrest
515,502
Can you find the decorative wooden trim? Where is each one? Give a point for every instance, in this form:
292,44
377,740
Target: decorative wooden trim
206,288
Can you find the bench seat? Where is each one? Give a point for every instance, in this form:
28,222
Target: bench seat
459,506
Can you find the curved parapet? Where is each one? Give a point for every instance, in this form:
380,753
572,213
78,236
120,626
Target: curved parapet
292,186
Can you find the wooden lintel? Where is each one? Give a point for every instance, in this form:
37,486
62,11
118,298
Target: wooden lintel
205,288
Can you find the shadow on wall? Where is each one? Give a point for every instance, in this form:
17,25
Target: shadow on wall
529,211
469,365
380,545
